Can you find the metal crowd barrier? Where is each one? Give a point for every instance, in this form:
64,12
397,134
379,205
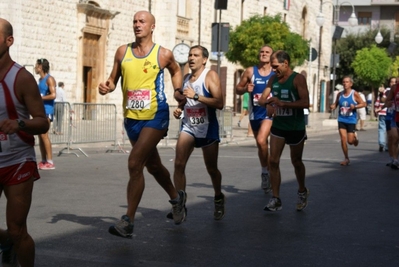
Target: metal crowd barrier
225,123
91,123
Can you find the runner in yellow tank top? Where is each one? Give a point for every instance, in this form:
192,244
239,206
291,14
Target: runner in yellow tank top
142,97
141,65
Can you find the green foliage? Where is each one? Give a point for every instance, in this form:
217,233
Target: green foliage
372,65
347,47
246,40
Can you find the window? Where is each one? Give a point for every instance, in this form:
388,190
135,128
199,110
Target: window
364,18
181,8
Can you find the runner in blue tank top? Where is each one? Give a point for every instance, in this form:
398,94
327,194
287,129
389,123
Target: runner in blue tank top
347,101
254,80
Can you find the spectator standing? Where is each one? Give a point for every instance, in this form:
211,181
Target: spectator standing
59,108
361,112
381,111
48,92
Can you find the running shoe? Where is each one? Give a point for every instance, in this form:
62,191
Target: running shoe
170,214
40,165
9,257
123,228
356,142
218,214
266,186
274,204
47,166
178,207
395,165
302,200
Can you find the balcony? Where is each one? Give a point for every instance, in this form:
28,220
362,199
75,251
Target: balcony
183,26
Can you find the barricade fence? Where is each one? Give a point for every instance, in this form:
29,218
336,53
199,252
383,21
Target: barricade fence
82,123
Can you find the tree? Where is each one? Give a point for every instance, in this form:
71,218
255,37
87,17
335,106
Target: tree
248,37
373,66
347,47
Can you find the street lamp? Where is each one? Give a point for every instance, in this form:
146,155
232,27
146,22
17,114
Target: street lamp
378,38
320,21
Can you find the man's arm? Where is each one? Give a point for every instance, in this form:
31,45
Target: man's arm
336,100
266,92
110,85
28,92
245,84
168,60
212,82
51,87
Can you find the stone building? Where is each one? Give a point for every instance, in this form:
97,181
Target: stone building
79,38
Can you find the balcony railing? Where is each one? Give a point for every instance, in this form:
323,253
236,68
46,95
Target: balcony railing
183,26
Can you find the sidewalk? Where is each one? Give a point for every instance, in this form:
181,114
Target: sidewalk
319,124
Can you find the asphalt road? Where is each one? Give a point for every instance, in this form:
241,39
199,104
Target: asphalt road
352,218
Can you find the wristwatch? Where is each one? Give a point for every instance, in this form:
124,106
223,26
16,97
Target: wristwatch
21,124
196,96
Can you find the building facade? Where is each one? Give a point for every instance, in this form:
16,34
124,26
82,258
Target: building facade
79,38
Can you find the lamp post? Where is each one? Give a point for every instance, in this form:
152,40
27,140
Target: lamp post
378,38
320,21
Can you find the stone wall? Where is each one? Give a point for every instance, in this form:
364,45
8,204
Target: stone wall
53,30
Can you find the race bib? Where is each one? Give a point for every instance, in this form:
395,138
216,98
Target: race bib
256,99
138,99
4,143
283,111
196,116
345,111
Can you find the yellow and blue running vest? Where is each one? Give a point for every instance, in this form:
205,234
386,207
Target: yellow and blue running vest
143,86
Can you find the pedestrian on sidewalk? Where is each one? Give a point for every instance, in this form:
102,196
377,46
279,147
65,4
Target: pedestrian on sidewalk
245,102
253,81
141,65
347,102
290,96
380,111
361,112
47,90
200,127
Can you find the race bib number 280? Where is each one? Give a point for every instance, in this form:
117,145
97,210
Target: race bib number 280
138,99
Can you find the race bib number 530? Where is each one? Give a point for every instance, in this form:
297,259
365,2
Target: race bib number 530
138,99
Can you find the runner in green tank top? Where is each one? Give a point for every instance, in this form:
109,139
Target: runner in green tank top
290,97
